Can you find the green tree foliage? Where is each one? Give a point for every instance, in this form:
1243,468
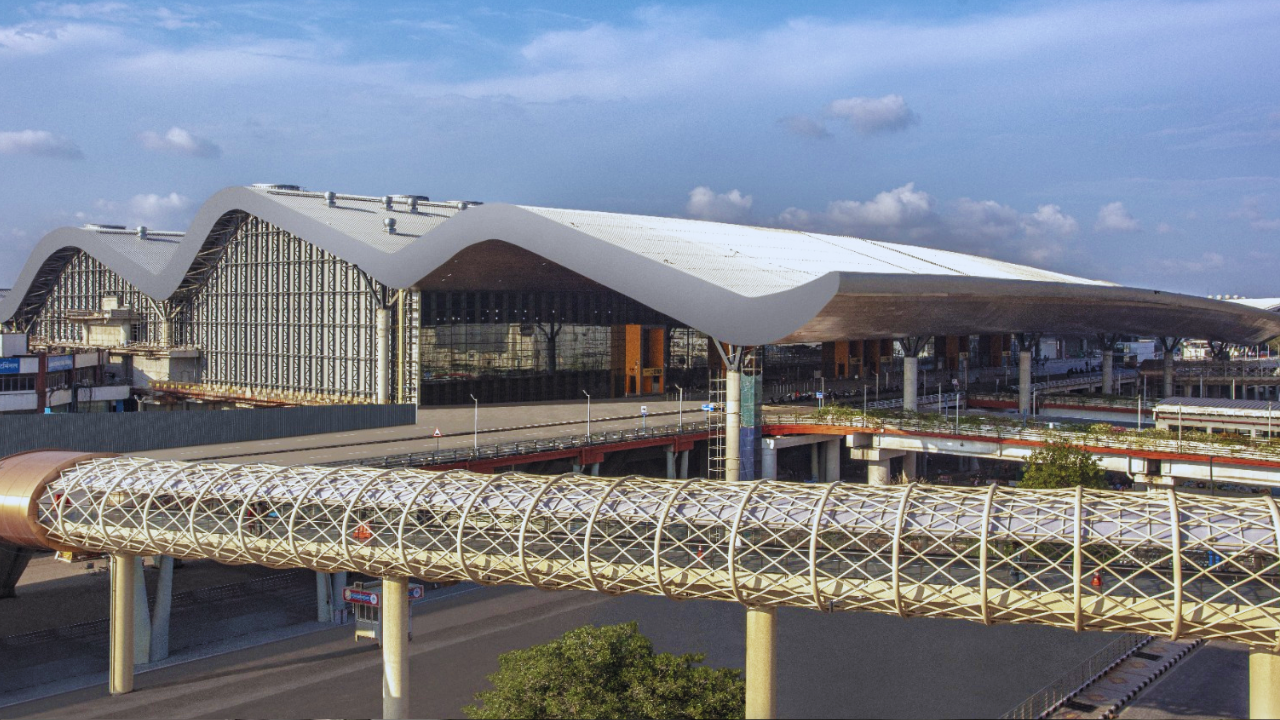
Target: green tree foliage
608,672
1062,465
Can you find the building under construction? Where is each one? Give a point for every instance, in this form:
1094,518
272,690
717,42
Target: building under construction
277,295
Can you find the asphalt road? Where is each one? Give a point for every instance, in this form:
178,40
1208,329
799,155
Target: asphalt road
843,665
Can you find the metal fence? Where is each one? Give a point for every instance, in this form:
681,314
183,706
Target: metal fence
1052,696
497,451
137,432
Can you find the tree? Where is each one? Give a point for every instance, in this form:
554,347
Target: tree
1062,465
608,672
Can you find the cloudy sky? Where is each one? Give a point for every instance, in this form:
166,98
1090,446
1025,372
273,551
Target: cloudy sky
1137,142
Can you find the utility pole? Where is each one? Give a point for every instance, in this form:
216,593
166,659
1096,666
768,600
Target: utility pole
475,431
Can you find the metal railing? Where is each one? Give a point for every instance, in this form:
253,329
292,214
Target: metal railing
974,426
1053,695
498,451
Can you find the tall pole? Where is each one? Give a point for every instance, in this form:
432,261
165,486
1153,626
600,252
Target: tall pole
910,368
584,392
475,427
123,571
762,631
732,420
382,373
395,656
1024,382
679,411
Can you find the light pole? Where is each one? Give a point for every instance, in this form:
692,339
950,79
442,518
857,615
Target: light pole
584,392
475,428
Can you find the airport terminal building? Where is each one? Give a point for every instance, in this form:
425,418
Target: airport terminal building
278,296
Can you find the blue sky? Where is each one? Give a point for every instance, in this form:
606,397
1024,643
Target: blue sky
1137,142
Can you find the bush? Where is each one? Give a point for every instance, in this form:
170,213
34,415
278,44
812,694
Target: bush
608,672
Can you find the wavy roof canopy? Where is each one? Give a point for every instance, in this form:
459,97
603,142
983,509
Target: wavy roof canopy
744,285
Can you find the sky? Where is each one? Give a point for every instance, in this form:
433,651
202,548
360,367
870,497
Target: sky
1136,142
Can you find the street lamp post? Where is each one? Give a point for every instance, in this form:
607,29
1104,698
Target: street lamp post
680,411
475,427
584,392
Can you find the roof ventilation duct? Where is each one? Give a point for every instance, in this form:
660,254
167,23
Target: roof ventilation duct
413,205
386,202
142,232
100,226
330,199
277,186
390,225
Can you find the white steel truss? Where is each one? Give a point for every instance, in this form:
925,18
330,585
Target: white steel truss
1153,563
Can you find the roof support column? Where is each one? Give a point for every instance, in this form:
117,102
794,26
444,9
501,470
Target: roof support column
911,349
382,358
1026,346
1108,343
733,356
1168,345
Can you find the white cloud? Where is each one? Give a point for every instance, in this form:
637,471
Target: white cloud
1164,228
41,143
180,142
1050,221
1206,262
897,208
166,212
705,204
1265,224
874,115
804,126
1113,217
158,207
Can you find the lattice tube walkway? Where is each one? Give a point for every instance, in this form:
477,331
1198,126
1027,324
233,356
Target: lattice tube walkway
1164,564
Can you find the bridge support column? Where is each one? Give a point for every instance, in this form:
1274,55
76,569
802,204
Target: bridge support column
879,472
762,632
395,655
1024,382
124,571
339,605
909,462
324,597
141,617
671,464
831,460
160,616
815,463
1264,684
382,357
768,460
684,464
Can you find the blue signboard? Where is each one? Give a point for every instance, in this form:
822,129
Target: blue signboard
10,366
61,363
708,407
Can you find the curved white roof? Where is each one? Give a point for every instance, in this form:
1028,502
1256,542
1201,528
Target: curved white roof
745,285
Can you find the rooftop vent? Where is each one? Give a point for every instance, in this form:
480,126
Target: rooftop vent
98,226
276,186
413,200
386,202
390,225
330,199
142,232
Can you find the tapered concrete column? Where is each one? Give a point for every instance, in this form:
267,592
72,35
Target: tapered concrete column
1264,684
382,361
910,382
909,461
878,473
395,651
1024,382
732,423
762,631
684,464
1108,371
124,571
671,464
1168,373
831,460
163,609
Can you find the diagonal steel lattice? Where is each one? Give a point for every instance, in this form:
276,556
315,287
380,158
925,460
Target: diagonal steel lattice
1157,563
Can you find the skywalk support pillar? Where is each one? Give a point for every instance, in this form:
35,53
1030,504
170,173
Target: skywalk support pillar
1024,381
395,655
1264,684
324,597
124,571
732,422
762,632
141,616
163,609
382,360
